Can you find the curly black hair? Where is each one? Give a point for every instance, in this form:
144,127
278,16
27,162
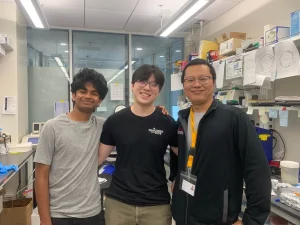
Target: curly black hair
145,71
89,75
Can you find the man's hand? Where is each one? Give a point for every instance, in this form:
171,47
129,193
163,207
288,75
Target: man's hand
239,222
163,110
172,186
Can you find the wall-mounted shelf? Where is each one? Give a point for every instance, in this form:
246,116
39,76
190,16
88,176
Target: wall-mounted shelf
2,51
250,109
6,43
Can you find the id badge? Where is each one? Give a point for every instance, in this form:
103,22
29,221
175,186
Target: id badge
188,183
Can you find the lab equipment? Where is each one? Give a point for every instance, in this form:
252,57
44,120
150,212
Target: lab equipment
33,138
36,128
230,95
4,140
289,172
266,138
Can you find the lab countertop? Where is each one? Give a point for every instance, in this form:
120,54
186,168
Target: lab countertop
284,208
15,159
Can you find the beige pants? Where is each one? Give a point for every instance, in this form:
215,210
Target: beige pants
118,213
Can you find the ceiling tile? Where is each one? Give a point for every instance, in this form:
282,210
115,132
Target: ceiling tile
97,19
111,5
68,17
143,23
62,3
155,7
216,9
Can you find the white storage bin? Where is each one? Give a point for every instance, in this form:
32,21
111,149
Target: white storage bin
289,172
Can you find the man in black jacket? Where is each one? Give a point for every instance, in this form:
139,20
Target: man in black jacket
218,150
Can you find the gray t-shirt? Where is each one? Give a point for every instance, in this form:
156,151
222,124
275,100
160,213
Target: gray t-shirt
198,117
71,150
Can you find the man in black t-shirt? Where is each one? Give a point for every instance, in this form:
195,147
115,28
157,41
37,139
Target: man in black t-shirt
138,193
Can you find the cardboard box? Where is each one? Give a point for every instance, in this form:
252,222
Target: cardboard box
16,212
222,38
276,34
238,35
229,47
205,47
295,23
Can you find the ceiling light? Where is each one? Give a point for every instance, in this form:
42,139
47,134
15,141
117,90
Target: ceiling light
161,56
120,72
66,51
63,44
178,51
61,66
139,49
186,12
33,13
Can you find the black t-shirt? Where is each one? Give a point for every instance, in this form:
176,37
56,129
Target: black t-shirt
141,142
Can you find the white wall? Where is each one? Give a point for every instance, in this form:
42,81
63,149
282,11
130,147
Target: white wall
13,71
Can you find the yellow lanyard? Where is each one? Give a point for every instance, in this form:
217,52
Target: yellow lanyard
193,137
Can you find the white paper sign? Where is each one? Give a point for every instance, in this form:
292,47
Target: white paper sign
176,84
116,92
9,105
61,107
220,71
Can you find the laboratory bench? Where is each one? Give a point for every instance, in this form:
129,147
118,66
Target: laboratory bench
20,160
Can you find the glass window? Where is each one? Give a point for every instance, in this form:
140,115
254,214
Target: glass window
108,54
161,52
48,76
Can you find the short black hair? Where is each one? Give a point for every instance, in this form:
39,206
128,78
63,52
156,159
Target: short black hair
199,62
89,75
145,71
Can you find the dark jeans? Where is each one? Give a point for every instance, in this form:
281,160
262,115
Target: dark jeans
95,220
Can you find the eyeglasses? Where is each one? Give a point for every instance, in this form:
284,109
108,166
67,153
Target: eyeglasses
145,83
202,80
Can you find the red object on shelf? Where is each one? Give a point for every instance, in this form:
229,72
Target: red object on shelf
275,163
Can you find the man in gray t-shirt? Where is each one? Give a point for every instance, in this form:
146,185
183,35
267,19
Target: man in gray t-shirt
67,187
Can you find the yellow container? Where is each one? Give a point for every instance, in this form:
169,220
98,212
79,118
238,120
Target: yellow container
205,47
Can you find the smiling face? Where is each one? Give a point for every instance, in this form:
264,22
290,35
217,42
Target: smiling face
145,92
198,84
86,99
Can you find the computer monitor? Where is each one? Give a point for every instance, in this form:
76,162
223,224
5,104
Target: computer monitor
175,110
